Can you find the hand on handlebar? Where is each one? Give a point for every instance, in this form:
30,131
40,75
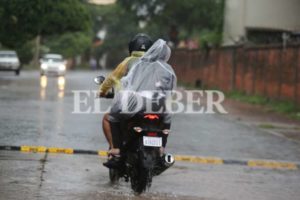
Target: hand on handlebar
101,94
108,95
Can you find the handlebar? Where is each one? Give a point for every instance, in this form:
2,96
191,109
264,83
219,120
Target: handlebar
99,80
110,95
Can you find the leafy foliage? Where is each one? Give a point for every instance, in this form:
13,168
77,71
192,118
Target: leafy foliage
123,20
69,44
119,25
55,20
190,16
23,20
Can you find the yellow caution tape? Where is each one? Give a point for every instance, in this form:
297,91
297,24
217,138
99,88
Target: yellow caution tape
271,164
39,149
60,150
203,160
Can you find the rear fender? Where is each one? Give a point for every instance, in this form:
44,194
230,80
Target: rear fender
148,157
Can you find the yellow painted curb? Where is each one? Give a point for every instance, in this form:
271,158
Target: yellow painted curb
40,149
203,160
60,150
271,164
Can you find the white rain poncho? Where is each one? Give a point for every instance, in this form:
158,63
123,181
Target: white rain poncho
150,79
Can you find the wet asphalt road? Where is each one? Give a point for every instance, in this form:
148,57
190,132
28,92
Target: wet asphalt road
38,111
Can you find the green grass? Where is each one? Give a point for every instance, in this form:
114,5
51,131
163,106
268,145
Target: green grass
266,126
253,99
284,107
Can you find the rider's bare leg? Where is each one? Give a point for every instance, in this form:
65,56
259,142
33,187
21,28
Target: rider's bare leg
107,131
115,128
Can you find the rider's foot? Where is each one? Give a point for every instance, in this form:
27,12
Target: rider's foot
114,152
113,158
113,162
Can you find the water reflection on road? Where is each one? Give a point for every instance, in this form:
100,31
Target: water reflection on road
51,87
60,86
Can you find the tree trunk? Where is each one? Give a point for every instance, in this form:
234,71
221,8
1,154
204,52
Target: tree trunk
37,51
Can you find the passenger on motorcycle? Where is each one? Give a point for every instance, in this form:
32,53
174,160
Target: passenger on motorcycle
146,87
137,47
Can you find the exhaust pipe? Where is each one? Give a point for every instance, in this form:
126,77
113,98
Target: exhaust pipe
167,160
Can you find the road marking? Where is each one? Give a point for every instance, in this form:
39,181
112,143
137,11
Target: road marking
259,164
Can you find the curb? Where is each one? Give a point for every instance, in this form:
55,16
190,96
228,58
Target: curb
260,164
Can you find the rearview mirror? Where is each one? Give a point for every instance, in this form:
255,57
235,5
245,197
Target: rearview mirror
99,80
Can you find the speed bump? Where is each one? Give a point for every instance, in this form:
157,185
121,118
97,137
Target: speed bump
102,153
197,159
36,149
60,150
271,164
256,164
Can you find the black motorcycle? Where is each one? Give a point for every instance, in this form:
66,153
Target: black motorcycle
141,157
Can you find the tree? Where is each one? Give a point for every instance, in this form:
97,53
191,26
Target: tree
189,17
120,27
23,20
69,44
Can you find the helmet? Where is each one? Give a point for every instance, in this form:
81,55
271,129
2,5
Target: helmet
140,42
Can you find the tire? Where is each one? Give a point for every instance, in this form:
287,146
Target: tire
141,181
114,176
141,178
17,72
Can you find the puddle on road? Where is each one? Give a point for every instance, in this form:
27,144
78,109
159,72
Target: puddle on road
119,195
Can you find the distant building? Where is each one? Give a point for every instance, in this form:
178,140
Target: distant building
261,21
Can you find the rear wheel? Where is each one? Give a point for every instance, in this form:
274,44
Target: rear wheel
141,180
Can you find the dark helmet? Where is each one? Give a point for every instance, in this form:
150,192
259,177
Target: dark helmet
140,42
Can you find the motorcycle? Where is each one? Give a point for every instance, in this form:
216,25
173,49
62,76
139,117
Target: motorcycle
141,155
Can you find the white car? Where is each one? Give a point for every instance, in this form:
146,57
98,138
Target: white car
9,61
53,64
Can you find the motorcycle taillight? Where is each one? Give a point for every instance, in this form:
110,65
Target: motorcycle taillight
151,117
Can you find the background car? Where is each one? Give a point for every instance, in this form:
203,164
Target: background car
53,64
9,61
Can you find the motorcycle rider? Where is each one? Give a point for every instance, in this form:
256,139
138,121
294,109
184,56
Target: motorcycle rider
137,46
150,81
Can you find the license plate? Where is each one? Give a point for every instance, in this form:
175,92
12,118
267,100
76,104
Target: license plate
152,141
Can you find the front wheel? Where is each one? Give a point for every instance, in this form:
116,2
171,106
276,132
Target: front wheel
114,176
